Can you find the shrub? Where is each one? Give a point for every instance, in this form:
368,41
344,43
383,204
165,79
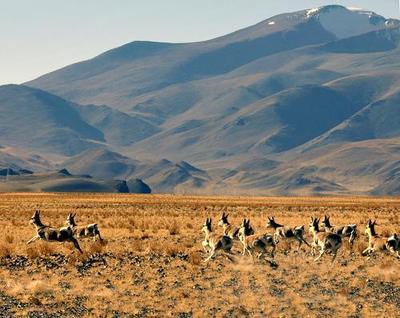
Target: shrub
5,250
173,228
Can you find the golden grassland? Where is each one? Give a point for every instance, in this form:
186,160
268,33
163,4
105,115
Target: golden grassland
151,264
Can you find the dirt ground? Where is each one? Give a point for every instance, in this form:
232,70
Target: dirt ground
151,264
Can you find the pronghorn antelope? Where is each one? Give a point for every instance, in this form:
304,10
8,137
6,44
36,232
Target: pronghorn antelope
283,232
90,230
47,233
214,242
256,243
379,243
325,240
349,231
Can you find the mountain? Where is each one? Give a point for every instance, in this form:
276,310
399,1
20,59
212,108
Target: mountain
301,103
138,186
36,120
363,167
66,128
348,22
162,176
119,129
20,159
116,77
63,181
102,163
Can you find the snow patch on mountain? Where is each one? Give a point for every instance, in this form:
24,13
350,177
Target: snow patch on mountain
392,23
346,22
313,11
354,9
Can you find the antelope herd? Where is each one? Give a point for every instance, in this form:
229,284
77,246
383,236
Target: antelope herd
328,239
68,233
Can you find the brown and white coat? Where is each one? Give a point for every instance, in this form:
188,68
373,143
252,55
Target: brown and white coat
380,243
326,241
256,243
50,234
90,230
287,233
349,231
214,242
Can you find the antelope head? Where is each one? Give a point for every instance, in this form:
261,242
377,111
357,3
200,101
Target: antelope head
326,222
272,224
370,228
223,220
207,226
245,229
71,219
314,225
35,219
248,228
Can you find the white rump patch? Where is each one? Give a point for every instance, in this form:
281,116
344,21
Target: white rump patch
271,23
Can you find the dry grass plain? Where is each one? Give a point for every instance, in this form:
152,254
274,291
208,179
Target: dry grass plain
151,264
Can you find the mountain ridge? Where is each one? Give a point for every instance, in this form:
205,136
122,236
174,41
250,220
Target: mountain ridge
184,52
250,112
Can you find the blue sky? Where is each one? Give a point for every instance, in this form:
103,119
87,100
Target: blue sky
39,36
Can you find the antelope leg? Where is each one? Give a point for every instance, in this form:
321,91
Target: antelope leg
209,257
322,253
228,255
334,255
100,238
273,251
76,244
244,250
33,239
366,251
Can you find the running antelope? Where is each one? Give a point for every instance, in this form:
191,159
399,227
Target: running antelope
380,243
256,243
325,240
248,230
50,234
349,231
233,232
393,244
214,242
228,229
289,233
90,230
